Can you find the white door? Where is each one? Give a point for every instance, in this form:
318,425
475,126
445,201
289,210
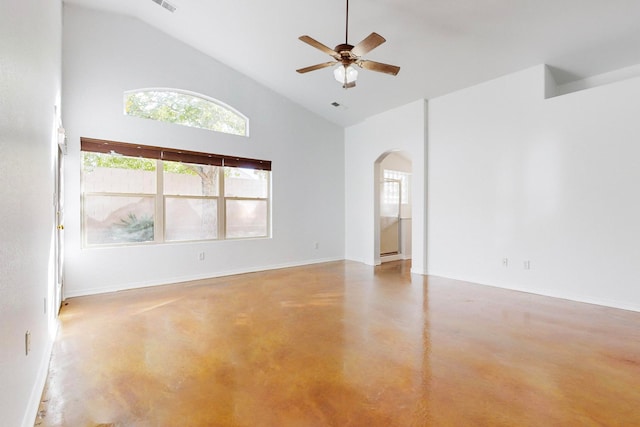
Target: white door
59,244
390,217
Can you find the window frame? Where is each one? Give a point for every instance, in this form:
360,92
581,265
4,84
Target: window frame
223,197
161,154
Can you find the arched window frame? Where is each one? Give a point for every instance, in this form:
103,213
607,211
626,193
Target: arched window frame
192,94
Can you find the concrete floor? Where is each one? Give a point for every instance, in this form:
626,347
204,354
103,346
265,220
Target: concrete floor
341,344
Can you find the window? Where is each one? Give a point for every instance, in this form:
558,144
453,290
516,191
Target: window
190,201
405,182
185,108
140,194
118,198
246,199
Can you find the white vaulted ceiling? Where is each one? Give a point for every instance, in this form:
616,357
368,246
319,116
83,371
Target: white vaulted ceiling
440,45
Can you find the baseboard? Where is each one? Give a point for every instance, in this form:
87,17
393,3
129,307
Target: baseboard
390,258
173,280
545,293
31,412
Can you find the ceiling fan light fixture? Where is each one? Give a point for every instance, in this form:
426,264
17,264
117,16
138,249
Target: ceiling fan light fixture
345,74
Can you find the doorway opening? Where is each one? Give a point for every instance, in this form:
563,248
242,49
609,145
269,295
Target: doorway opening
393,207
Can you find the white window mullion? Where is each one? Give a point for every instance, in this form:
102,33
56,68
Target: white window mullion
221,205
269,229
159,222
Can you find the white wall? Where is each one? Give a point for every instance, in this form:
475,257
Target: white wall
553,182
397,162
400,129
29,89
106,54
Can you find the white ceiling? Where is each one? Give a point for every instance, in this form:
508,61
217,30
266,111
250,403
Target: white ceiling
440,45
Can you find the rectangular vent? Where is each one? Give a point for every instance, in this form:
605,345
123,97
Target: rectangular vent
165,4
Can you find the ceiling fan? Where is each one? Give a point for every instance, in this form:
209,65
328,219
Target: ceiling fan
347,55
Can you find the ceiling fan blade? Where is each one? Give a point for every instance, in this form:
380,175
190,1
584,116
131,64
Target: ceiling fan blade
316,67
313,42
367,45
379,67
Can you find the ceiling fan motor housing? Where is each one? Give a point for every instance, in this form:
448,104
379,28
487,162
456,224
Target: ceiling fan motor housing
346,56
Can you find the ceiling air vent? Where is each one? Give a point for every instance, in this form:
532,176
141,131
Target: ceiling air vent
165,4
338,105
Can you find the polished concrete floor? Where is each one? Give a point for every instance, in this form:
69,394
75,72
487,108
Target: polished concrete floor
341,344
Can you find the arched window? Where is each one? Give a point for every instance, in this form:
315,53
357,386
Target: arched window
185,108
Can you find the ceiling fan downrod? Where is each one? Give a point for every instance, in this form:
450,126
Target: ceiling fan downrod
346,31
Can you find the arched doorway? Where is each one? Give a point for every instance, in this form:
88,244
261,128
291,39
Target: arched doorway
392,201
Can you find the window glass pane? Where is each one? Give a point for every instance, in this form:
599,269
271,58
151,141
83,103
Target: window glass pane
405,180
390,206
184,109
246,218
240,182
191,218
118,219
102,173
187,179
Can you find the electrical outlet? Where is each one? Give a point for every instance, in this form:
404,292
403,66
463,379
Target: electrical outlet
527,265
316,245
201,256
505,262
